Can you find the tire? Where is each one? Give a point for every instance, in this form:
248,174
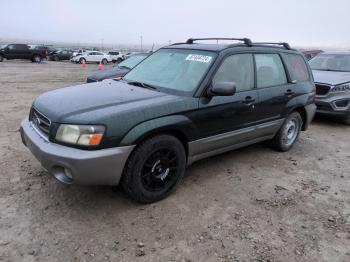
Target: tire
104,61
154,169
119,60
36,59
288,133
56,58
82,60
1,58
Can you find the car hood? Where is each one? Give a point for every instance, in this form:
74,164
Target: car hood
109,73
331,77
61,104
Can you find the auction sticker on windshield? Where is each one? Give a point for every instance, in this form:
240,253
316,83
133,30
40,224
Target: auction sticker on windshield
199,58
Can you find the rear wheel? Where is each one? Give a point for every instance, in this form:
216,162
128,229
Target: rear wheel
119,60
104,61
82,61
56,58
347,121
36,59
1,58
154,169
288,133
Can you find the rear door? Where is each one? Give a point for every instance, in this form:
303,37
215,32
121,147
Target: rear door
99,56
24,51
273,88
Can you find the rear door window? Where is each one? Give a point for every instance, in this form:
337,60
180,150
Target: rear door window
296,67
270,70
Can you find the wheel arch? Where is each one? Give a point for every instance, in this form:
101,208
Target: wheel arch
301,110
176,126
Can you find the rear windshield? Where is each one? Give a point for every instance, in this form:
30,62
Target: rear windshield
331,62
173,69
297,67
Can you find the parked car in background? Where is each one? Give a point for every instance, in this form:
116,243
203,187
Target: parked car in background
127,55
331,72
92,57
116,56
311,53
183,103
79,52
60,55
22,51
118,70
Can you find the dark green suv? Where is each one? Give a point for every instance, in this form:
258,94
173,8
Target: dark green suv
183,103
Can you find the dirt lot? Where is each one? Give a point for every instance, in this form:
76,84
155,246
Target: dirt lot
253,204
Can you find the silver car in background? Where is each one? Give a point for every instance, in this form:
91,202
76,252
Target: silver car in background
331,72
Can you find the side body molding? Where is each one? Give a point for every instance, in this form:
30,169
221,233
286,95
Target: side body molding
221,143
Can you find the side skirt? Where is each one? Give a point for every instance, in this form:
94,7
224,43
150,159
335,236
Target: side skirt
221,143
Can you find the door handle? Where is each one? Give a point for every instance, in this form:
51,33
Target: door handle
248,100
289,92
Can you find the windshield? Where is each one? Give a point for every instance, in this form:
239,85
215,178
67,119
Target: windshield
132,61
331,62
175,69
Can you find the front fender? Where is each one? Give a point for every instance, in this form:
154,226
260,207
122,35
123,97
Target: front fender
177,123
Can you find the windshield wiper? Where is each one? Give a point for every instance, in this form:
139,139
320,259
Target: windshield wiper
140,84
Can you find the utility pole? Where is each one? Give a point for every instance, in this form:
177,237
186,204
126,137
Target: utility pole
141,43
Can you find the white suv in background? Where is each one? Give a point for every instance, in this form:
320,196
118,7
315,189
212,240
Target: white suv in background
116,56
92,57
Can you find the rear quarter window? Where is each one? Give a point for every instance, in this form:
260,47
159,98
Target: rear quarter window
296,67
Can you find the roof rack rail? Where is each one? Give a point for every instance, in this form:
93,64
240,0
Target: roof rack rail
284,44
246,41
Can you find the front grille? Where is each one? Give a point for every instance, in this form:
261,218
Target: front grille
41,122
322,89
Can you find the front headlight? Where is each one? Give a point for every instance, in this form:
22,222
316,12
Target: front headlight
84,135
341,88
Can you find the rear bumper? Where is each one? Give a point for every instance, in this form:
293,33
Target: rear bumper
70,165
310,114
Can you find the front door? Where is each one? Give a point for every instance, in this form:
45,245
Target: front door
227,120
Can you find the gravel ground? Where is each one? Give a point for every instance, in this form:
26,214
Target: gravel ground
252,204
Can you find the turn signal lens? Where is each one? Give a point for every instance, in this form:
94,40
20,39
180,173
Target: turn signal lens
90,140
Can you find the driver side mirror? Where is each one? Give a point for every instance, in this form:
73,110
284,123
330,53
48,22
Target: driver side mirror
222,89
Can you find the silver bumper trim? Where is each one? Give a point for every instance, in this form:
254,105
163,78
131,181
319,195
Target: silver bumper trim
71,165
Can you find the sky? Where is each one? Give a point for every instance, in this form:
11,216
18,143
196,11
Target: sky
299,22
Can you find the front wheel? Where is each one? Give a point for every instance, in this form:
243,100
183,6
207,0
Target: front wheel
1,58
104,61
119,60
56,58
288,133
154,169
347,121
82,61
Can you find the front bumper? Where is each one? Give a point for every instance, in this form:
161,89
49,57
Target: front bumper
71,165
328,105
